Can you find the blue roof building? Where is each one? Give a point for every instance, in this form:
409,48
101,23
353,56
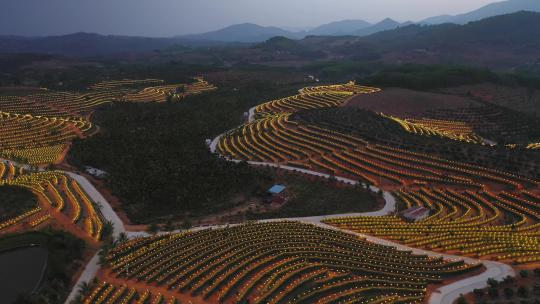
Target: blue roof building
277,189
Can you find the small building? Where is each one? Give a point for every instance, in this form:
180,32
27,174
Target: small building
415,214
277,189
96,172
276,194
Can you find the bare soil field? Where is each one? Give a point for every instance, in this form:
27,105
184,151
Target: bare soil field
409,103
520,99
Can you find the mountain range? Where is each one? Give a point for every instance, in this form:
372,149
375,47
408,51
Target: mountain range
490,10
249,32
391,31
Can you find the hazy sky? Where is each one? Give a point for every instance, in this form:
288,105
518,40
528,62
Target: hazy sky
176,17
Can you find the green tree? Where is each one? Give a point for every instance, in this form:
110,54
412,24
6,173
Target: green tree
523,292
508,292
153,228
493,292
493,283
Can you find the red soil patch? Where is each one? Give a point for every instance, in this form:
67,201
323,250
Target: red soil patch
521,99
407,103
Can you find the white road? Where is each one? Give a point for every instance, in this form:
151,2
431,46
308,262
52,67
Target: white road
106,209
251,113
449,293
87,275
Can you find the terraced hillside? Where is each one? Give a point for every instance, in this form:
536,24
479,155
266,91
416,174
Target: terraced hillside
496,121
280,139
475,210
61,199
38,128
124,83
522,99
280,262
313,98
452,141
455,130
482,224
163,92
38,139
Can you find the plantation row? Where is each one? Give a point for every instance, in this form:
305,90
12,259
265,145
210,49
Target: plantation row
61,198
490,121
58,104
533,146
313,98
74,105
279,262
161,93
279,139
480,224
114,84
105,292
37,139
38,128
455,130
303,102
348,87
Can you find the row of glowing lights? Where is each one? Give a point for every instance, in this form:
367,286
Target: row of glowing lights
34,182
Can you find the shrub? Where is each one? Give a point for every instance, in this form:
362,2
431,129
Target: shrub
493,292
479,293
508,292
523,292
493,283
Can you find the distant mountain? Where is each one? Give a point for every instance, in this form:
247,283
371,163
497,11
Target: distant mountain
502,41
385,25
345,27
496,38
505,41
490,10
246,32
520,29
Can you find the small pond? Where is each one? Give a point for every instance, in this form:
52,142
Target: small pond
20,271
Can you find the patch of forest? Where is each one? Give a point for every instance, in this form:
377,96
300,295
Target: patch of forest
157,158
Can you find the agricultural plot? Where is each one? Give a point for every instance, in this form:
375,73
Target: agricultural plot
474,210
521,99
125,83
279,139
61,199
439,112
161,93
455,130
106,292
38,139
533,146
482,224
38,128
313,98
58,104
280,262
